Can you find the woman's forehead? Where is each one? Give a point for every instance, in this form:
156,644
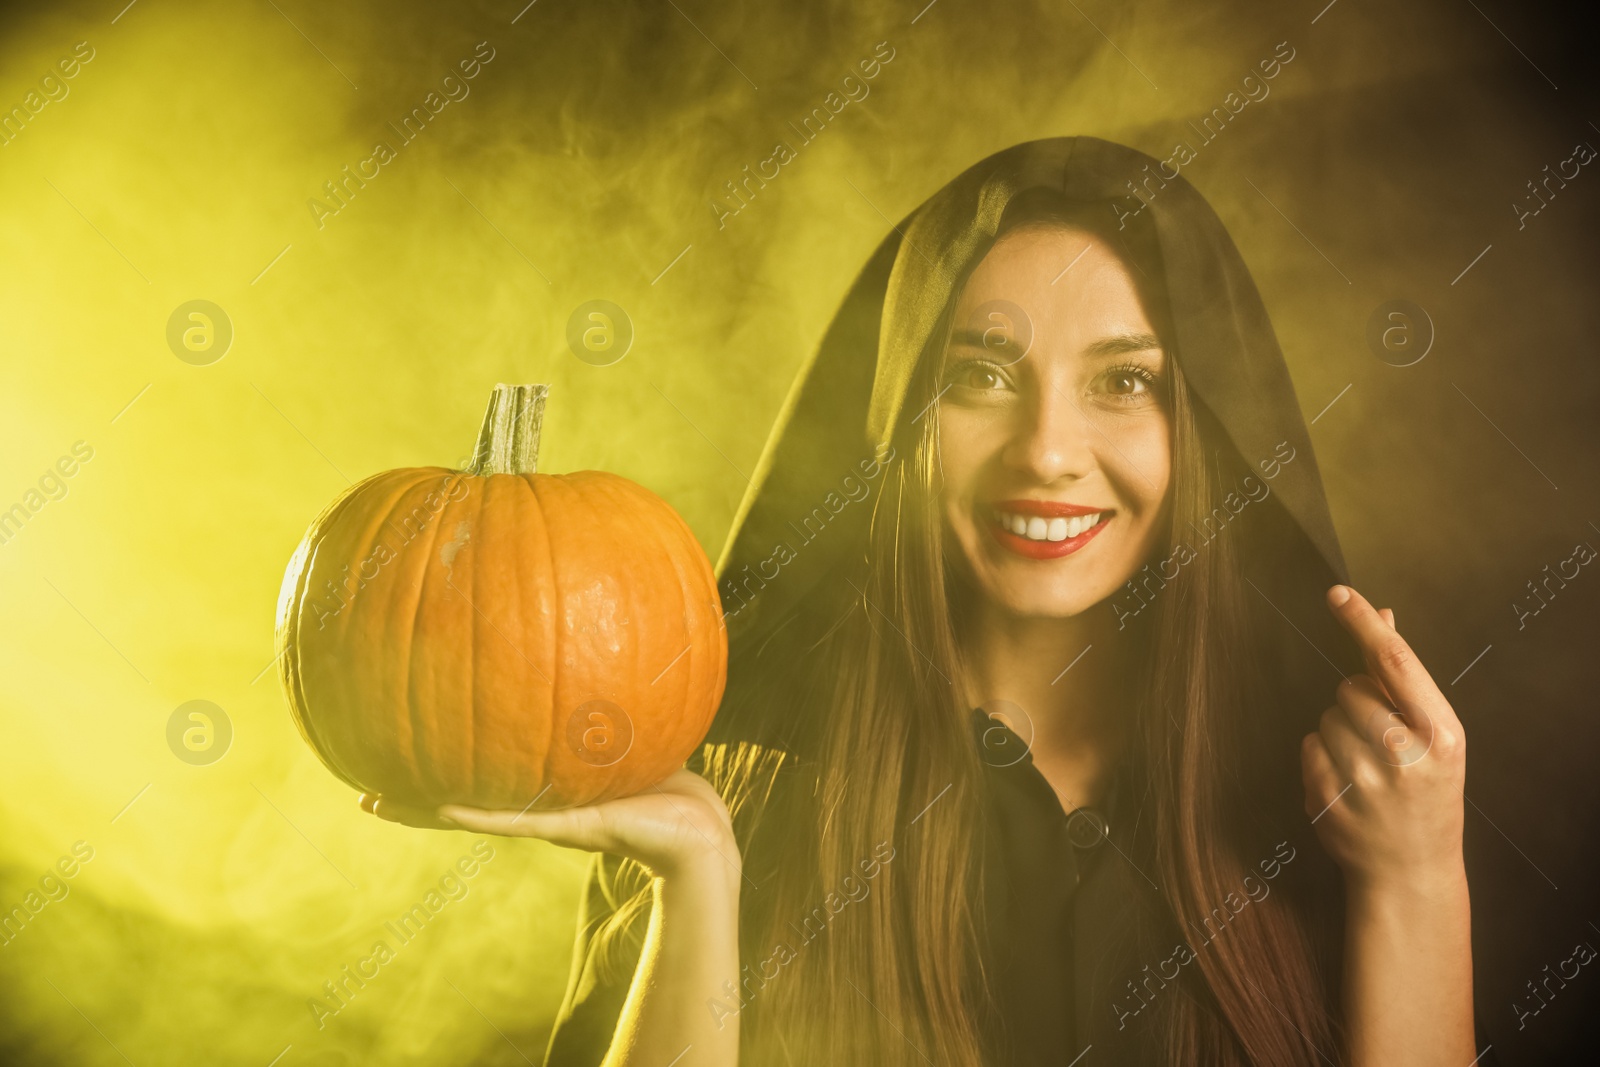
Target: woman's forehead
1058,285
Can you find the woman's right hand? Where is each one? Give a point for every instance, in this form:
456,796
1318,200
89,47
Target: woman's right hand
679,825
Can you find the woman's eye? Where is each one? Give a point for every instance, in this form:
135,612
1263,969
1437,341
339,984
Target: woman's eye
977,374
1129,383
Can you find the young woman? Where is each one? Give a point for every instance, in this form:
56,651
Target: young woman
1032,614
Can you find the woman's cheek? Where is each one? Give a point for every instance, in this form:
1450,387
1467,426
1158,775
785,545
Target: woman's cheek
961,447
1144,457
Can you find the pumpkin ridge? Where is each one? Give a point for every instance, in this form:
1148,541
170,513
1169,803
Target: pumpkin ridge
688,584
471,717
290,668
517,597
293,670
403,483
615,503
595,493
529,598
690,569
407,748
418,755
291,601
629,494
397,590
555,631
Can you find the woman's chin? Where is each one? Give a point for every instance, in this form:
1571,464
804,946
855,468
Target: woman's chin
1035,600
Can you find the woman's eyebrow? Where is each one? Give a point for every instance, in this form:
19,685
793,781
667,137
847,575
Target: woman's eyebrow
1122,344
973,337
1119,344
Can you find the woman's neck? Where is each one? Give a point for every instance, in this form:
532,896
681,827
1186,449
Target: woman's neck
1069,677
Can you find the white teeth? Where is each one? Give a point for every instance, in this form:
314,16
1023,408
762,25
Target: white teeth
1038,528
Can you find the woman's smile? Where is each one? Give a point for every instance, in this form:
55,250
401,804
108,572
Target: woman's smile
1044,529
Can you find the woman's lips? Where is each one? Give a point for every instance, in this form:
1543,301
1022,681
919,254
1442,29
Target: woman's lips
1030,548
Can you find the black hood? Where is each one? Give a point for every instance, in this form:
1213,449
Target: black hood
849,400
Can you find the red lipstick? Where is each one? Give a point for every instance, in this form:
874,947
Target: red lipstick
1048,509
1044,509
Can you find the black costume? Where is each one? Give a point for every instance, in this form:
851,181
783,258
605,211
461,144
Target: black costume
1059,881
1070,884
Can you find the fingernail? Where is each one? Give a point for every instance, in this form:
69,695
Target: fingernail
368,803
1341,594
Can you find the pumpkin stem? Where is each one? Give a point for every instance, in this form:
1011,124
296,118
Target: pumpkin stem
508,442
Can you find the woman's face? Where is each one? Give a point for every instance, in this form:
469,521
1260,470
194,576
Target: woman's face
1054,426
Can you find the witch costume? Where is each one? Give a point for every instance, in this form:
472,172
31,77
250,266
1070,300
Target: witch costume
1073,889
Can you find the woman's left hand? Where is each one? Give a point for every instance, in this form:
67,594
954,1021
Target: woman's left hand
1384,774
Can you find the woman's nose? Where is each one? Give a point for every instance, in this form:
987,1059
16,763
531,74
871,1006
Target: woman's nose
1053,438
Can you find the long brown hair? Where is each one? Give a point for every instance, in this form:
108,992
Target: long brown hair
859,682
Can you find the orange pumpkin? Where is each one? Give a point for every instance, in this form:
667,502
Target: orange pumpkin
501,638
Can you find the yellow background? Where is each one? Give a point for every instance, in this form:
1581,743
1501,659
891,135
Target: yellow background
583,161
